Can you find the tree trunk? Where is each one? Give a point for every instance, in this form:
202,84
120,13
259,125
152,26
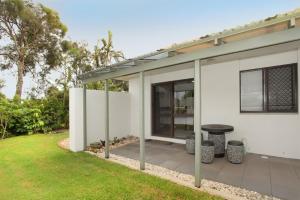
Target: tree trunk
20,77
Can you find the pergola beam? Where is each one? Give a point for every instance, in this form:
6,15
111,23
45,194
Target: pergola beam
275,38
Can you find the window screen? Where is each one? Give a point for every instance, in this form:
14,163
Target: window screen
280,88
271,89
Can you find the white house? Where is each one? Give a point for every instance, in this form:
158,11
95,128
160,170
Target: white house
246,77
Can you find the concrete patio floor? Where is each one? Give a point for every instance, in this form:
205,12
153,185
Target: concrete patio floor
279,177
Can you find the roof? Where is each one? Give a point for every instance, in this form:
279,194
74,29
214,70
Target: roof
269,21
272,24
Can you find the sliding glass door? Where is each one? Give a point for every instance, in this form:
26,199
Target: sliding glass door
183,109
162,110
173,109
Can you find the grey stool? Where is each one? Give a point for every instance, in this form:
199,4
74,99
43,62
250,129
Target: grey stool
235,151
207,151
190,145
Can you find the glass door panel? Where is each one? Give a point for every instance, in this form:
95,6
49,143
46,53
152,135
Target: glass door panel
183,109
162,110
173,109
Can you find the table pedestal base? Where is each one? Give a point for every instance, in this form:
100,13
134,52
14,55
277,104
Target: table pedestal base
219,142
220,155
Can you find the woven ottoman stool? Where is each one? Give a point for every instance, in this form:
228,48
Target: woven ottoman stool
207,151
235,151
190,145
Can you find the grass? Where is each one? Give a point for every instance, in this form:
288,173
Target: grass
34,167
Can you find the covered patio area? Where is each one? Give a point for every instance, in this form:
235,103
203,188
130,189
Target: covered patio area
272,176
226,86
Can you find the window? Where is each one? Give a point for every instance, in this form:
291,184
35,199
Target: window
271,89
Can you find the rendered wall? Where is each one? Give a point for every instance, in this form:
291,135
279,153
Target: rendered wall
276,134
119,116
271,134
75,119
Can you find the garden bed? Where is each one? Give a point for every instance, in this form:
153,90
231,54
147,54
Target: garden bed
99,147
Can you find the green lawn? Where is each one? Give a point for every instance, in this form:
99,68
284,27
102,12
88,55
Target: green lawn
34,167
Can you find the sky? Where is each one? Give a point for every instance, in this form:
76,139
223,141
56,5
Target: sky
143,26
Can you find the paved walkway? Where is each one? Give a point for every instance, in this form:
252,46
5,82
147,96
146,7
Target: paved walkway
273,176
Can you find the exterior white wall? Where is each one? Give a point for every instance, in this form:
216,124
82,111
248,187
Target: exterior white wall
276,134
271,134
133,85
76,119
119,116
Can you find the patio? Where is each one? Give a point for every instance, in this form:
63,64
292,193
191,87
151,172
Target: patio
279,177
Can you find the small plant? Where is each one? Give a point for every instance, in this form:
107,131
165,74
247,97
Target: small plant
96,145
115,141
102,142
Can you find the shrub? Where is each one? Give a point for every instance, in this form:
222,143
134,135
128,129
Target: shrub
34,115
26,118
56,109
19,118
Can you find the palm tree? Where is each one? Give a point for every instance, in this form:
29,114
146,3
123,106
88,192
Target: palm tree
104,54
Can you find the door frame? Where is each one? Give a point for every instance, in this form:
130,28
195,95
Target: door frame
172,106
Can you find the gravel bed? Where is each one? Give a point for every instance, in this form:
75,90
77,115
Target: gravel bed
121,142
212,187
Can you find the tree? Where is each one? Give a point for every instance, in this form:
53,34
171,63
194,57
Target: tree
104,55
76,59
31,35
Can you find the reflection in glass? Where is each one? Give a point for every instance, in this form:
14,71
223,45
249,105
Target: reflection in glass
162,110
183,109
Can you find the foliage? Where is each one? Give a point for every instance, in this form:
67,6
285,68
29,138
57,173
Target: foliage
55,109
29,116
36,163
76,59
31,35
104,53
114,85
19,117
31,38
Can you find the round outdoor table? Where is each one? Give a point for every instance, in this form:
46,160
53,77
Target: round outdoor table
216,133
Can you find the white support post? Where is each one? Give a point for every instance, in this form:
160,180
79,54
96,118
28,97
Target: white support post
197,122
141,121
106,118
84,118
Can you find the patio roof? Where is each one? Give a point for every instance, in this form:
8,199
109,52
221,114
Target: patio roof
271,31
